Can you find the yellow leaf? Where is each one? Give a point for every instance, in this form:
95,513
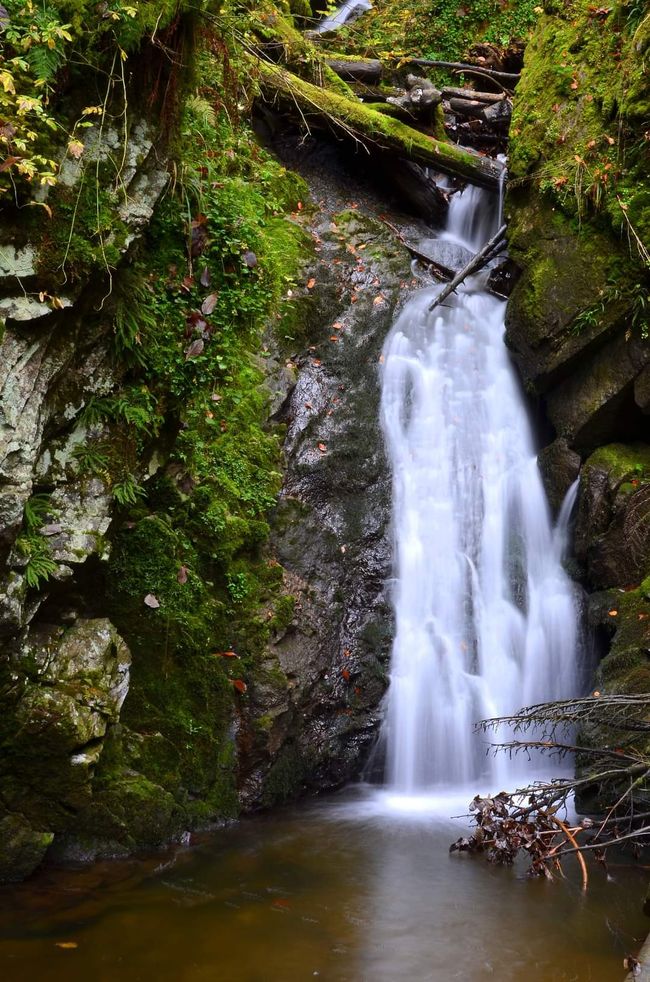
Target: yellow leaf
66,944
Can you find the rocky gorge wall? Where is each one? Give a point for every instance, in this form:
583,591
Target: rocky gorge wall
578,321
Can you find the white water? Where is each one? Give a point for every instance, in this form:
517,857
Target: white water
347,9
485,615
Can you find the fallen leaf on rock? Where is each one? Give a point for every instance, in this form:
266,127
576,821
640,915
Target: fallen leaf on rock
612,613
311,283
345,672
322,447
151,601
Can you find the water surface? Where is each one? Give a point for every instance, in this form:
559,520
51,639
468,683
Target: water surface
353,889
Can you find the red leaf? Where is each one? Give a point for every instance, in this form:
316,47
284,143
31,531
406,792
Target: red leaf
345,672
239,685
322,447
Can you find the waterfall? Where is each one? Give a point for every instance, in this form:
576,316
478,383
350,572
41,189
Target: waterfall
485,619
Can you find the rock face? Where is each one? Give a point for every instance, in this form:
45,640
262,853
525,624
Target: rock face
331,527
69,687
576,325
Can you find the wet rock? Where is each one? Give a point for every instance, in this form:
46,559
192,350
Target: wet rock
612,534
70,687
503,277
22,848
559,466
331,527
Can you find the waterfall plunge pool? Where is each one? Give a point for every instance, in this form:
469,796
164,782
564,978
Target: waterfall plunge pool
354,888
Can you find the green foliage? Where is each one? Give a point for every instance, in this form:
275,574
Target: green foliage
440,30
36,510
40,566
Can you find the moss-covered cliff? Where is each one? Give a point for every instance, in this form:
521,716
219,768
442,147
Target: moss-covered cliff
148,247
578,321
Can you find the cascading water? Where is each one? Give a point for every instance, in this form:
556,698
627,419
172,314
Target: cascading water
485,615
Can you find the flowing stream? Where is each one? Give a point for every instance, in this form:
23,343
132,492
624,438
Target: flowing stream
485,615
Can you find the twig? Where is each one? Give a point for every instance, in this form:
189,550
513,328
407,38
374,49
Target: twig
476,262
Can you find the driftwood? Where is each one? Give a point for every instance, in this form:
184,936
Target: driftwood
476,262
372,129
356,70
457,66
420,100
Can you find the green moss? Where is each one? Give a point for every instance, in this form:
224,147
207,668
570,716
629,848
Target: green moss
624,462
286,777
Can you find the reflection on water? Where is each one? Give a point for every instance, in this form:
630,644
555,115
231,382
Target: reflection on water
356,889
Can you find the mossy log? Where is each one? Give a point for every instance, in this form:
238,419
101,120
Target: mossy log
374,129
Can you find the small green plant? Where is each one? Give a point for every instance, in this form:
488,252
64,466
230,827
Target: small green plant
91,458
36,510
40,565
128,491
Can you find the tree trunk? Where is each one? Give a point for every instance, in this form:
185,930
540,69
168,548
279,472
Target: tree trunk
373,129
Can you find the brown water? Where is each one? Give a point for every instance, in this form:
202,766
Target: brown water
343,891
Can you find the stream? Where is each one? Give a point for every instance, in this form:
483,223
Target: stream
352,889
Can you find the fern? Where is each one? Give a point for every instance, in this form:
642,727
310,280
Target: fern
92,459
36,510
128,491
40,566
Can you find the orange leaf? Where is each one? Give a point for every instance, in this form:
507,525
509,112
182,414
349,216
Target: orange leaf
239,684
66,944
346,674
322,447
333,337
225,654
311,283
612,613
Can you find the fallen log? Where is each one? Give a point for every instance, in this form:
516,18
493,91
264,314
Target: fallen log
458,66
476,262
356,69
373,129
